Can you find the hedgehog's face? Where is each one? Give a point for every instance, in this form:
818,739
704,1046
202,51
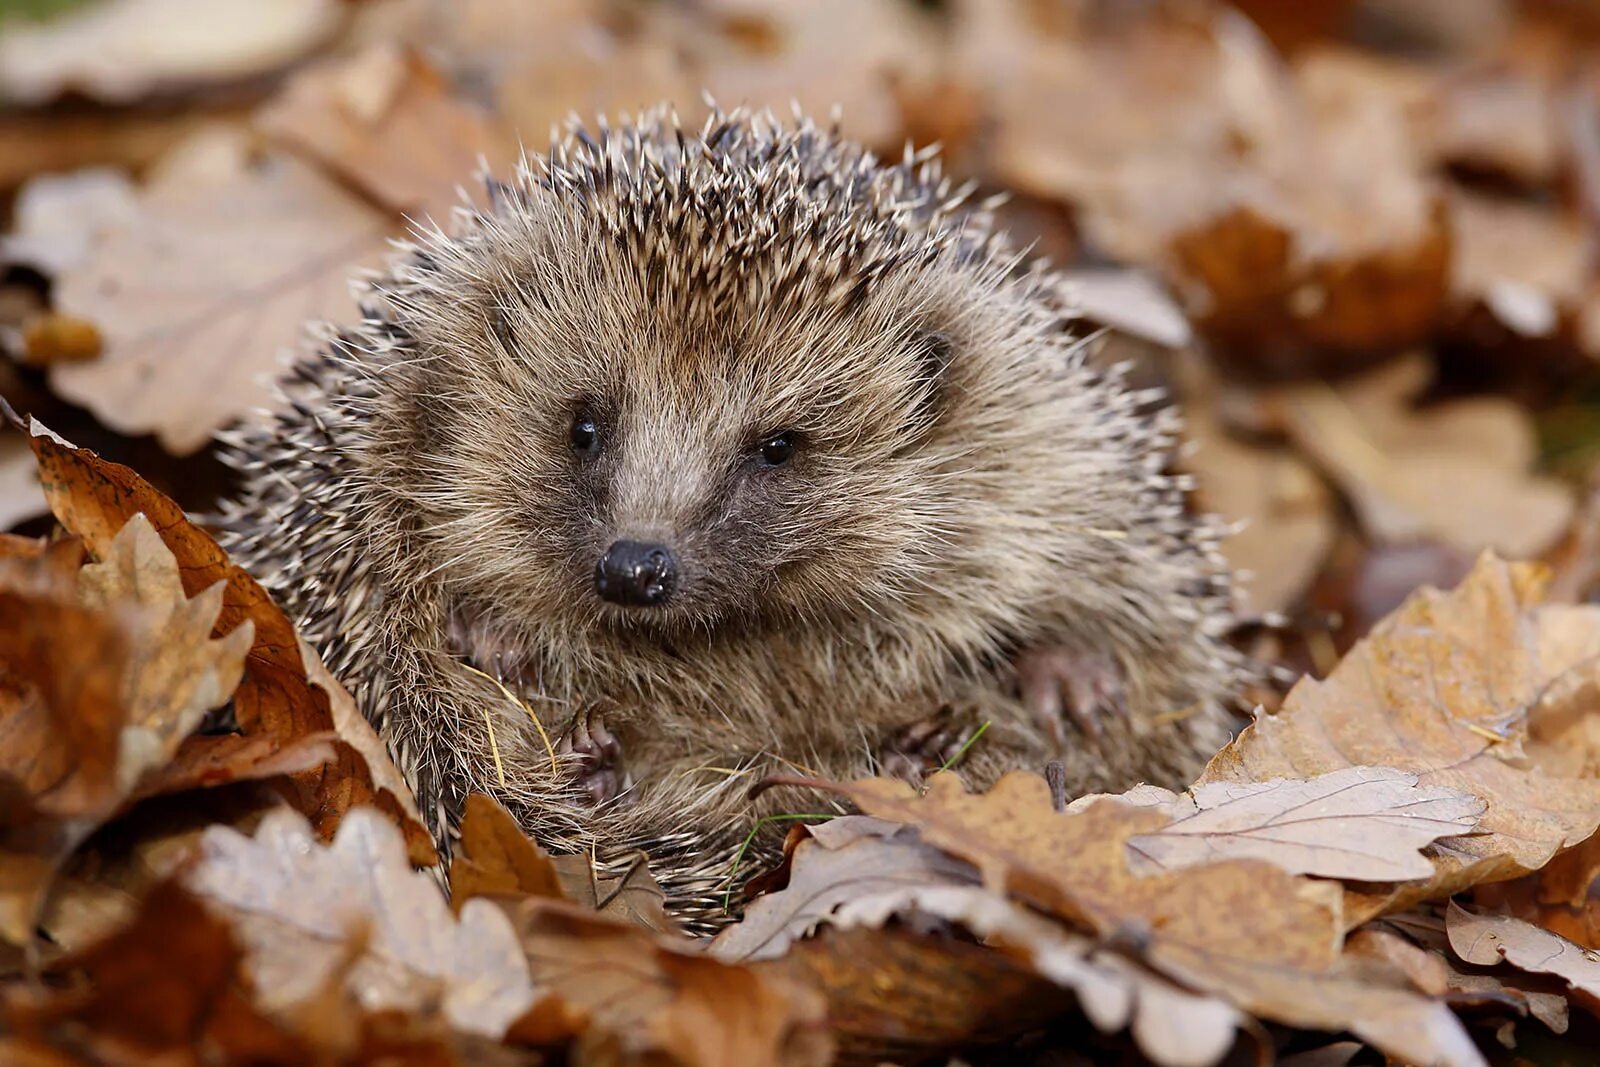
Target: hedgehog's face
612,467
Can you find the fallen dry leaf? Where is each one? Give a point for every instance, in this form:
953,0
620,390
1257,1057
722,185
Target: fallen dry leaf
1459,473
1442,689
199,294
1171,1025
168,981
831,56
1526,994
865,857
1247,931
1290,212
1364,823
387,122
1490,939
127,670
1528,264
658,999
177,673
495,858
1284,511
20,497
286,694
119,52
543,63
297,905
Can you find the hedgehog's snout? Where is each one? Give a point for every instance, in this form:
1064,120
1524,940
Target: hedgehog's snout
636,574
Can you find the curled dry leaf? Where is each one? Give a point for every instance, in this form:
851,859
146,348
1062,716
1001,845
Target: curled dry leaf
1459,473
198,294
494,858
1171,1025
123,676
1443,689
1247,931
1365,823
865,857
1490,939
297,906
1499,987
286,694
616,986
169,980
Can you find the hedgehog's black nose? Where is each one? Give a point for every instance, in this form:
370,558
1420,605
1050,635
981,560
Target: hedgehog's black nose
635,573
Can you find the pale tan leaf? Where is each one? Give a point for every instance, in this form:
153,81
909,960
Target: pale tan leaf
297,905
1365,823
864,858
1459,473
1487,940
1442,689
118,52
1284,511
177,672
386,121
200,294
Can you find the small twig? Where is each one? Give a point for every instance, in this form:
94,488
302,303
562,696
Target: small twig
1055,775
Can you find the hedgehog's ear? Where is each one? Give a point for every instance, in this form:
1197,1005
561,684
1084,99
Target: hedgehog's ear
935,349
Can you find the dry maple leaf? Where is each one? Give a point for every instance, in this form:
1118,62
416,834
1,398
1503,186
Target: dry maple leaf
1442,689
199,294
1364,823
1459,473
648,998
298,905
1241,929
286,695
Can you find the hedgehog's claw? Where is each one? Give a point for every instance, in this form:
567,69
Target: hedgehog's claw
595,757
914,751
1061,683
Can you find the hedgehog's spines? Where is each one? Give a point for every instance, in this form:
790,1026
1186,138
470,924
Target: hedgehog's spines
740,231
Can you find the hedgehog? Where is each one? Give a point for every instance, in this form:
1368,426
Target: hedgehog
688,459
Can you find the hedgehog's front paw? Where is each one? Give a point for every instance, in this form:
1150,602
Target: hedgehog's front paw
914,751
1059,683
594,756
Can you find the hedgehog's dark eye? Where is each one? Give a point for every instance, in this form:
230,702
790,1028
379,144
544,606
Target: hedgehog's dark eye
584,435
777,449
